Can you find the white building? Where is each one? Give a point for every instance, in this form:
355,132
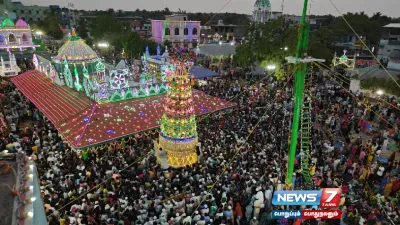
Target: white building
176,29
389,48
13,37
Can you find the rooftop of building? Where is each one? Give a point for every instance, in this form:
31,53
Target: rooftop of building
75,49
216,49
392,25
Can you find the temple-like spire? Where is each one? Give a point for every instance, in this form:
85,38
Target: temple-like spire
73,32
262,11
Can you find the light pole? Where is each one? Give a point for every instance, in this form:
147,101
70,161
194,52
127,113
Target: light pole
39,34
103,45
271,67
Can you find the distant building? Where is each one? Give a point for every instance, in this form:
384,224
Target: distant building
137,24
6,10
176,29
293,18
221,32
14,37
143,28
318,22
275,15
31,13
389,47
34,13
262,11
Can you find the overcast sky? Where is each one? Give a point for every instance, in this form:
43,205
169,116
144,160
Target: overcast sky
319,7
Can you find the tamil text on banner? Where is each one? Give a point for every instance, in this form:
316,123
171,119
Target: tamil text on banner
322,214
286,214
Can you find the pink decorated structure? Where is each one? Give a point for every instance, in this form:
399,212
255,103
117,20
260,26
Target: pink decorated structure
176,29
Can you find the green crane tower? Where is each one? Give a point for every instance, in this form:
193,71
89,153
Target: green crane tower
300,109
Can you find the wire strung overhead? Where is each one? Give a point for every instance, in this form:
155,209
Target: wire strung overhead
347,81
359,38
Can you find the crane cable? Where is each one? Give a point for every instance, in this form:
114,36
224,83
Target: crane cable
268,107
379,99
377,114
358,100
369,50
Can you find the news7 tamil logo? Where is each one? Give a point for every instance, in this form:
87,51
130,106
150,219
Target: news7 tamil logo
325,198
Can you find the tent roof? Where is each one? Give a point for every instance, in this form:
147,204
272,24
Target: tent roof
200,72
395,54
121,65
393,25
216,49
84,123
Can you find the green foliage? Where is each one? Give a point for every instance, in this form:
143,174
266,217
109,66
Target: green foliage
118,34
103,24
167,44
133,45
40,43
369,27
244,56
51,26
266,44
318,46
387,85
82,30
89,41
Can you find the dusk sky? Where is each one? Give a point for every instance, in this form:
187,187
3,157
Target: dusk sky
319,7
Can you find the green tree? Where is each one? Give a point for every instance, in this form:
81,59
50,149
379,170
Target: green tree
134,46
51,26
319,45
81,29
167,43
105,24
268,44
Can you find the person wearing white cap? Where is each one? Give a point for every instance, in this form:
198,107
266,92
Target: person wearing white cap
168,206
258,202
254,221
204,210
177,219
196,217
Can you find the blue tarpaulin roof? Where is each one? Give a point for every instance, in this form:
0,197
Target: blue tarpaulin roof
200,72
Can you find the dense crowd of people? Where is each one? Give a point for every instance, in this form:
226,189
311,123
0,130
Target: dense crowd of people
242,161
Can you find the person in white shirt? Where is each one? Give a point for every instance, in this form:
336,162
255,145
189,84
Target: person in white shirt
72,220
380,171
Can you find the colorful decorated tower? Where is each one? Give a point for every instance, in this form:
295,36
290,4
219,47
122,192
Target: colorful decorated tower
178,135
262,11
76,65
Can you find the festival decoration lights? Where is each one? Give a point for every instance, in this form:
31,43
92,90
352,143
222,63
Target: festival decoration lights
68,75
35,62
119,79
344,60
178,135
77,84
71,114
262,11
